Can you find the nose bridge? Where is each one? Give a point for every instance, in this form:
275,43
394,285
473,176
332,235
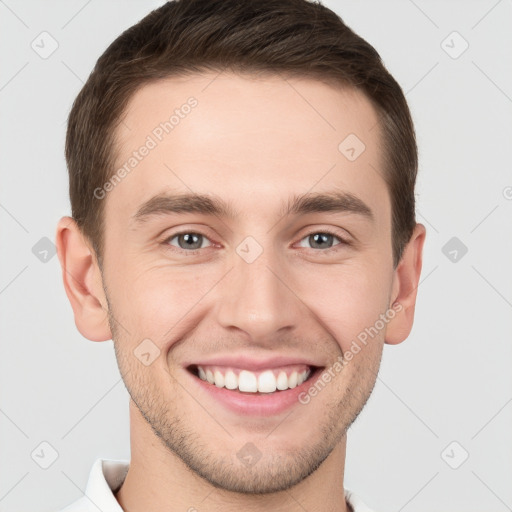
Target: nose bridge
254,296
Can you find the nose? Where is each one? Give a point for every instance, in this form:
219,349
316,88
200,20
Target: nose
257,299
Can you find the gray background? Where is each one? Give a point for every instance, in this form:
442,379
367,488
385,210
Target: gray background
449,382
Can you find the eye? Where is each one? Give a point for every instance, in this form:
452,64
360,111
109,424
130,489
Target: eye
322,240
188,241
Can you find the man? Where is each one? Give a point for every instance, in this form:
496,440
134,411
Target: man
242,190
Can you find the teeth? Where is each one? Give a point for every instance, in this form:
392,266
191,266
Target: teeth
247,381
230,380
219,379
267,381
282,381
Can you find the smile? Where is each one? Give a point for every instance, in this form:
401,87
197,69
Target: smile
246,381
258,390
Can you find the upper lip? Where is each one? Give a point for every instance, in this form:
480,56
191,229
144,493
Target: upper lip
251,363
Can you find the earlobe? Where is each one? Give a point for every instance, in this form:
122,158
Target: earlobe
405,286
82,281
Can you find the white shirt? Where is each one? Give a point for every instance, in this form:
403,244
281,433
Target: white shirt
107,476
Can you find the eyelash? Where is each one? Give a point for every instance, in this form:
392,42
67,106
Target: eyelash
343,241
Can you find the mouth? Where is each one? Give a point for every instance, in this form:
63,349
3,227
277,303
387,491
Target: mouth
255,390
261,382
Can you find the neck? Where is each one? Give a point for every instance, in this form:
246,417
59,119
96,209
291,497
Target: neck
159,480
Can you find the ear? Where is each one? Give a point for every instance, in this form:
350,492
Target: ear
82,281
405,285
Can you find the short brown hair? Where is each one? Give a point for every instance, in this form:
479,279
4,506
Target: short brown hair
296,37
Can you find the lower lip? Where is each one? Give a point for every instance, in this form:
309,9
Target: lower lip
261,404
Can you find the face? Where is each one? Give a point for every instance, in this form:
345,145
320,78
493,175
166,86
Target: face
222,302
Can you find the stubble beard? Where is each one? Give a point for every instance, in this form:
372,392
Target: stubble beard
274,472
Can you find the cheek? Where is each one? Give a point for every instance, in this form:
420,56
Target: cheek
348,302
159,301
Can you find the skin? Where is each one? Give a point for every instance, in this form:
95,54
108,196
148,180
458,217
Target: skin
253,142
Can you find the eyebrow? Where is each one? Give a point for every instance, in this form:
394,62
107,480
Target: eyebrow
334,202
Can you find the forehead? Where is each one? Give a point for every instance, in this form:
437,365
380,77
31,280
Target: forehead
253,140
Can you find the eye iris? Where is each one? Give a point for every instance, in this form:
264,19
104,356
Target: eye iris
192,241
318,238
